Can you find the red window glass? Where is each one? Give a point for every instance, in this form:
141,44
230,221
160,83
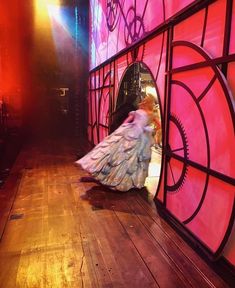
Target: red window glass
172,7
95,137
160,192
155,59
93,108
104,114
185,187
229,251
90,134
114,25
183,55
214,35
212,220
232,34
191,29
220,130
231,78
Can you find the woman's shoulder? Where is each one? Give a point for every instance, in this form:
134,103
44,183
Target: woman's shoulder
141,111
131,113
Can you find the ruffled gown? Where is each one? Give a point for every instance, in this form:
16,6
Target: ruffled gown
121,160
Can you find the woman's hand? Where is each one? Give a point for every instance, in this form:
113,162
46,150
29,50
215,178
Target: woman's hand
130,118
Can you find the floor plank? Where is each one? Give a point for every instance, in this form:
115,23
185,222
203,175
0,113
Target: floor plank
63,232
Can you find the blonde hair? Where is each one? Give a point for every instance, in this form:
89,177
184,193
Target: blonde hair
148,102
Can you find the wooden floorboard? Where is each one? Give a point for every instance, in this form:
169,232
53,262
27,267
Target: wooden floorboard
164,233
63,232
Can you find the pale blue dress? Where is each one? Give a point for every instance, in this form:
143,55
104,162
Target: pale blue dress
121,160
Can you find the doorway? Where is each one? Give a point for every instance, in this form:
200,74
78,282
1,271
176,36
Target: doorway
136,83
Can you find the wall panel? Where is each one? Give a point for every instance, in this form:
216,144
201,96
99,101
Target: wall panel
194,73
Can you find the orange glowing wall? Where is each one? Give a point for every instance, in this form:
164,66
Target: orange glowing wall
15,45
28,63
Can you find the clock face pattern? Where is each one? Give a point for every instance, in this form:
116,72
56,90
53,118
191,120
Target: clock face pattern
193,64
198,156
117,24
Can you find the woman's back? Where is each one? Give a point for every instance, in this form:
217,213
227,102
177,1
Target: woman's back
141,118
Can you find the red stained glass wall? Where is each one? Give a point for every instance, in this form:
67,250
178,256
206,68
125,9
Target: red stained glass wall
117,24
199,170
99,101
193,65
232,33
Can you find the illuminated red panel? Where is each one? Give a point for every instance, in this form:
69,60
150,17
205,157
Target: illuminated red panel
89,104
160,194
104,108
185,189
97,78
220,130
104,114
118,37
95,137
214,35
130,22
161,84
115,43
93,108
103,4
98,95
183,55
231,78
176,139
211,222
210,107
141,51
121,65
229,251
191,79
152,53
172,7
102,132
232,34
92,116
107,74
92,38
99,32
184,140
117,24
174,172
129,56
92,81
90,134
155,59
191,29
153,14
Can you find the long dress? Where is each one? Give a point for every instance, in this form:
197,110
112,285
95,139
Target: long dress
121,160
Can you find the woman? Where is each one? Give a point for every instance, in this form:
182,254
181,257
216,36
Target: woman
121,160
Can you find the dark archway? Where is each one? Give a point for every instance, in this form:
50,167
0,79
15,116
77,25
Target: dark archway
135,84
137,78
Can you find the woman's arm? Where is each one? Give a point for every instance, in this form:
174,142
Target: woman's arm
130,117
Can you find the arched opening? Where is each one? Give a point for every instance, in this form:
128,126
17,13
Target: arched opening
135,84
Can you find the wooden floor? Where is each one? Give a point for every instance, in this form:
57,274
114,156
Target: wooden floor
66,233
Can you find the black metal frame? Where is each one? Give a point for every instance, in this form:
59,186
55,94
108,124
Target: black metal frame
224,60
168,27
99,88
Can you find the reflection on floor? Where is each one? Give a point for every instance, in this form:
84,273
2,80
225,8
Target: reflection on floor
67,233
154,170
